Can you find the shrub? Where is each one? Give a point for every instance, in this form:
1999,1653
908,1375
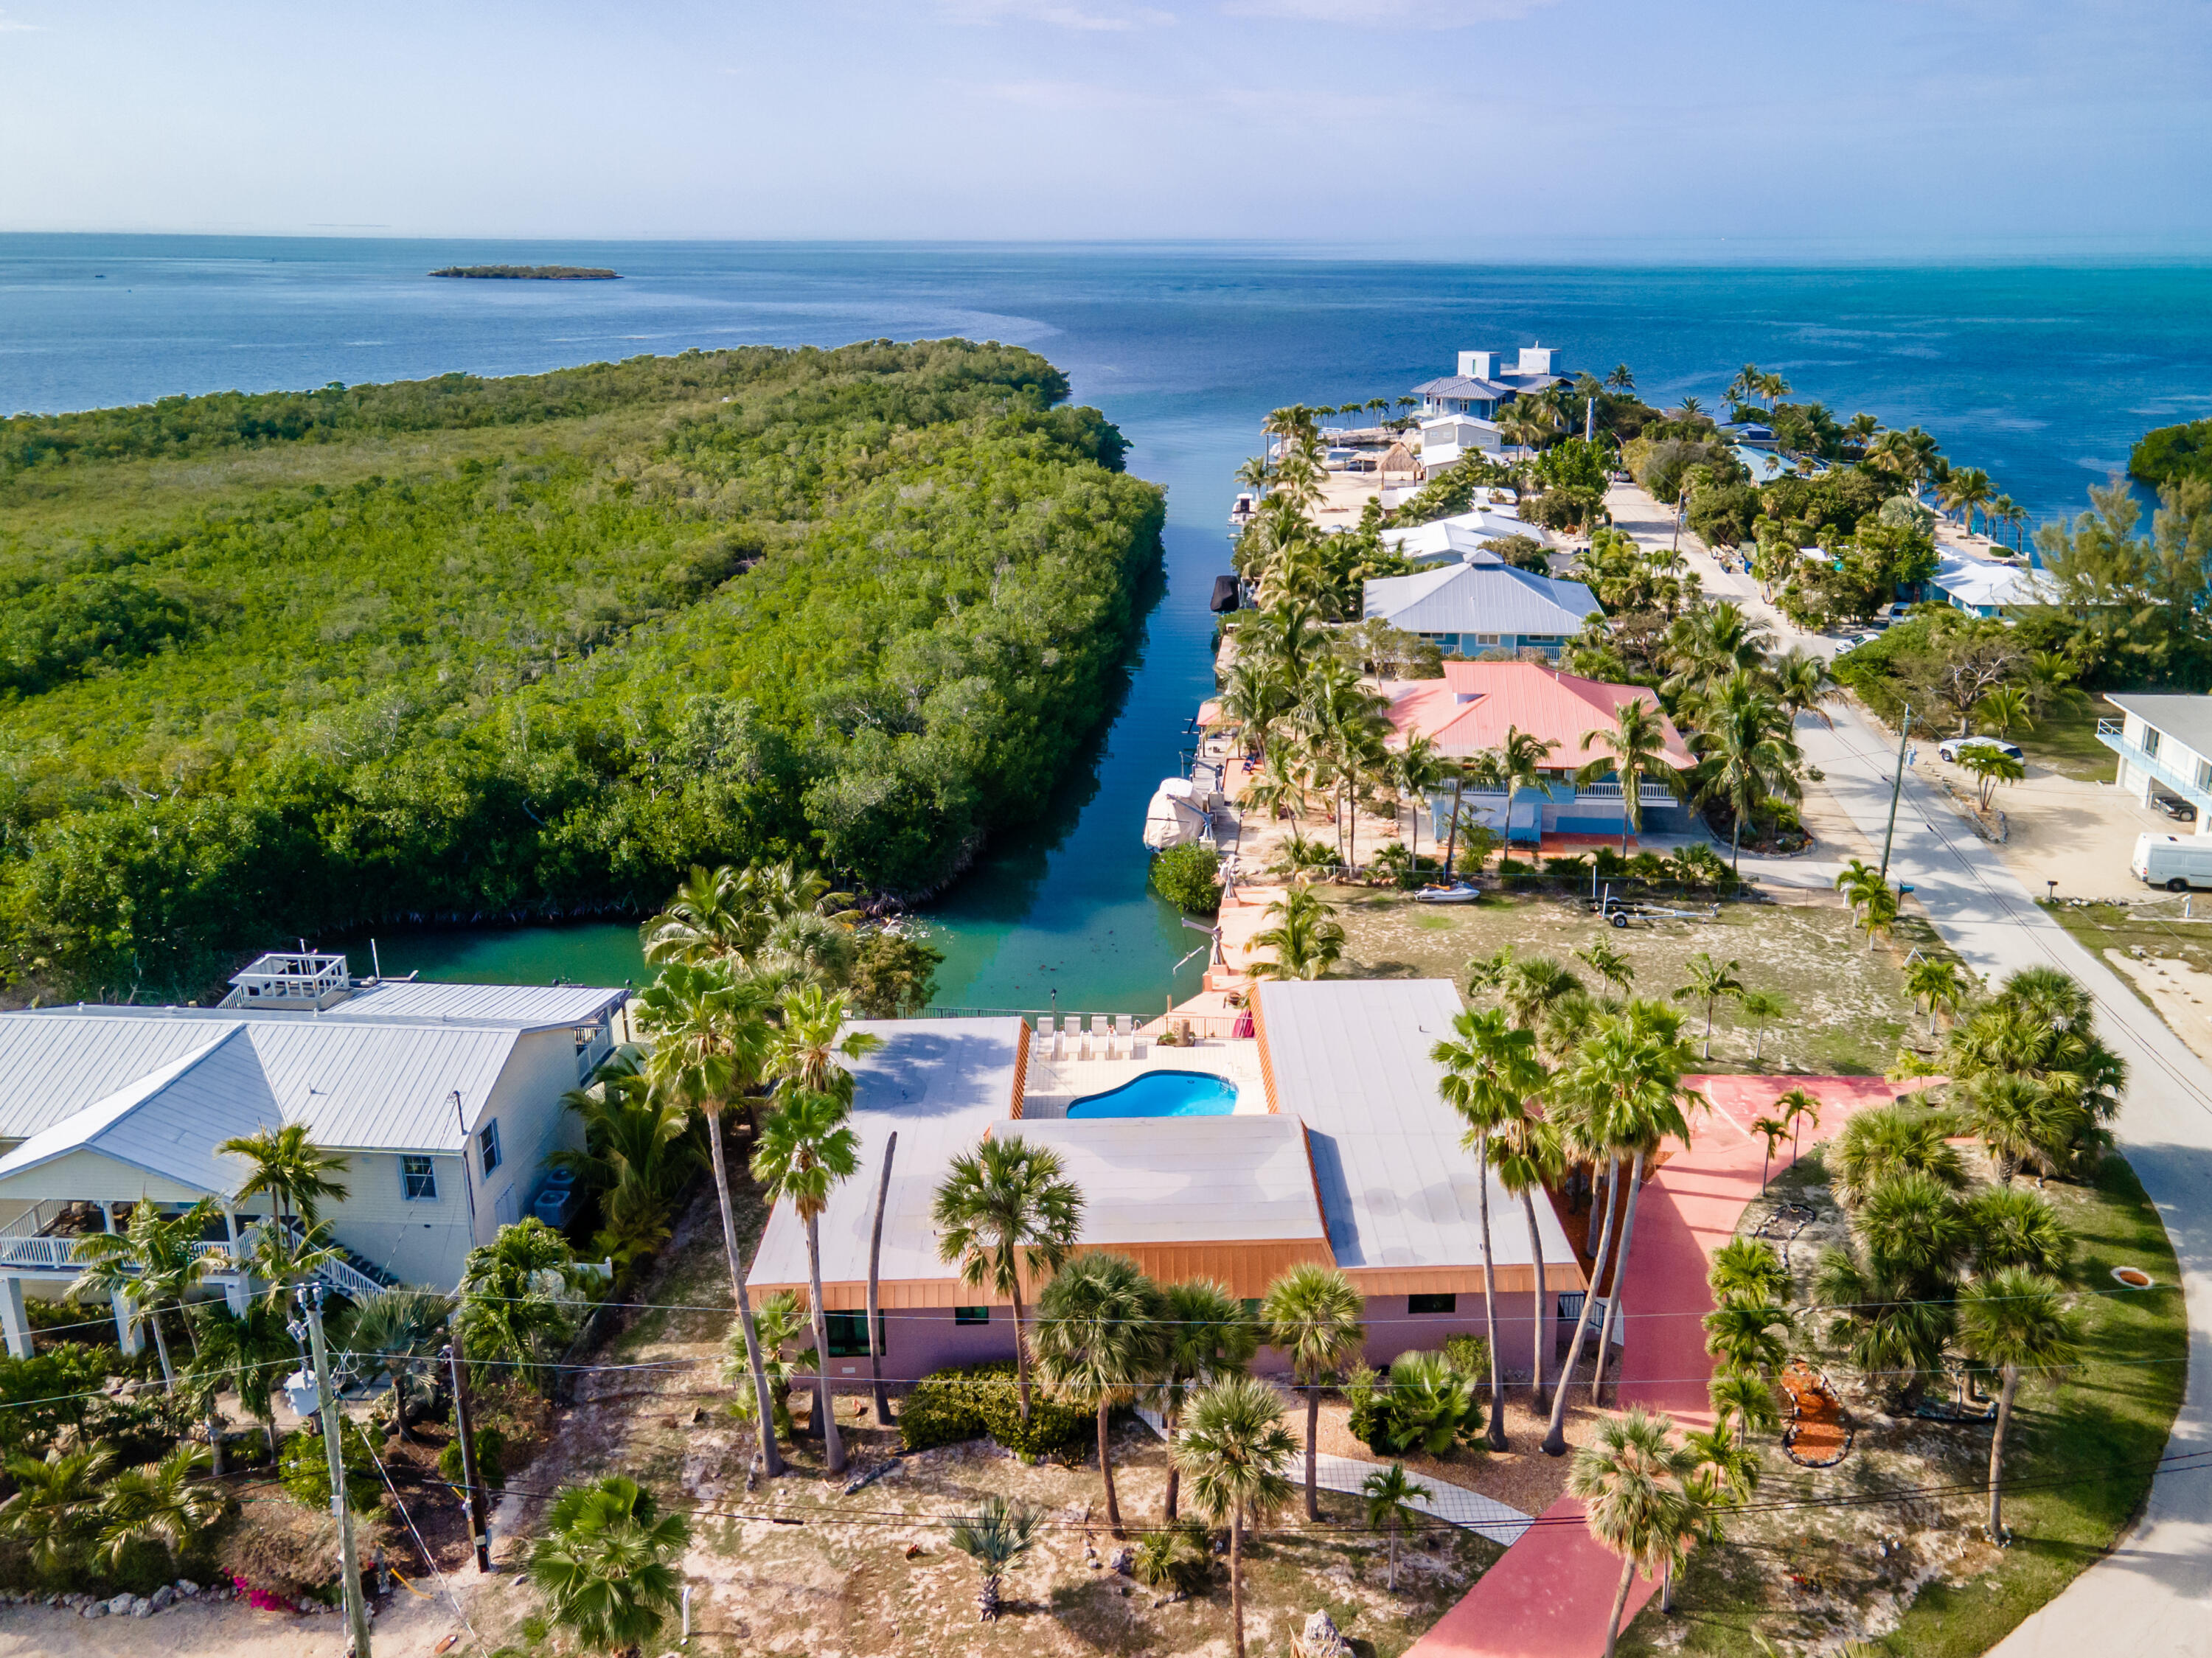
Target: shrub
304,1467
491,1458
1426,1407
1189,877
894,977
974,1400
1469,1355
1394,864
290,1554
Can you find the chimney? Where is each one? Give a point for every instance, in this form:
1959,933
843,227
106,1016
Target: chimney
1475,365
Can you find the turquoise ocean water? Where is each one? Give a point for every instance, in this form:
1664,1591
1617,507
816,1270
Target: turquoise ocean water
2043,375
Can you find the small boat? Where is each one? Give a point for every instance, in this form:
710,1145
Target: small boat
1459,892
1241,514
1176,816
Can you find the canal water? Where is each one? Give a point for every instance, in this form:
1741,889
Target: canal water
2043,376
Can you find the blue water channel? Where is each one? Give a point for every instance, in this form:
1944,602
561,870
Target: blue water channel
2043,376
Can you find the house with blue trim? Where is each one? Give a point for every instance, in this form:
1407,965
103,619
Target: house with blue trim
1481,603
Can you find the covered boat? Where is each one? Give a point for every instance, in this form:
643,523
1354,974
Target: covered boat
1176,816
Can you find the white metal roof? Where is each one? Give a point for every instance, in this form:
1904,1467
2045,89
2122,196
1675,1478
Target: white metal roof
1478,598
1240,1178
1983,582
2186,720
169,1121
523,1005
1351,1056
360,1084
940,1084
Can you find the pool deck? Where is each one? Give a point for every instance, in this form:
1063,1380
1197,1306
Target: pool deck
1054,1084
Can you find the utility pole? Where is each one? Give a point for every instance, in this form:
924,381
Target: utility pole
464,1432
1896,788
310,1297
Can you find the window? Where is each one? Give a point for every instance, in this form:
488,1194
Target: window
1485,639
417,1179
2204,773
488,1145
848,1333
2151,735
1432,1303
971,1315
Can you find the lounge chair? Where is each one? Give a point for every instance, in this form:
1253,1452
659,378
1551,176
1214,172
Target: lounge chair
1125,1032
1096,1043
1044,1034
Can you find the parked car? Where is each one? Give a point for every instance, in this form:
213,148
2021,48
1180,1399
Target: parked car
1959,745
2180,811
2171,862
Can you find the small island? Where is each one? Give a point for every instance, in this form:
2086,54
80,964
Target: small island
536,273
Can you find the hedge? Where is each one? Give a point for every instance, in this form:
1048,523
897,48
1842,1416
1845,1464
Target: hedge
973,1401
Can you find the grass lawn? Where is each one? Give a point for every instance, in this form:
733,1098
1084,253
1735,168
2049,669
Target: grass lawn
2154,926
1848,1008
2079,1457
2065,740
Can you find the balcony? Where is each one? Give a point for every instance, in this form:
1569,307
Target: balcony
2112,733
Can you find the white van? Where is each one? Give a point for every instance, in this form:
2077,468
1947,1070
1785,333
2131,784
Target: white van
2176,862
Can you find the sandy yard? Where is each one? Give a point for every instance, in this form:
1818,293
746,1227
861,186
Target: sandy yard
2077,833
406,1628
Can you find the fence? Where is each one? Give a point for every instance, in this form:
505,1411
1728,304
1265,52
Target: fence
1159,1028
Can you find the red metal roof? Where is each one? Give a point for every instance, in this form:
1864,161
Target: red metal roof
1475,703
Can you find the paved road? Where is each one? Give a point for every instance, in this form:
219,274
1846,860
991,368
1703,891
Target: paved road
2153,1593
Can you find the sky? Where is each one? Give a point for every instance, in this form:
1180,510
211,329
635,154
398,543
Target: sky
1464,127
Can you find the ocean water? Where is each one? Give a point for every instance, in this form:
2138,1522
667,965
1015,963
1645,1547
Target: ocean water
2044,376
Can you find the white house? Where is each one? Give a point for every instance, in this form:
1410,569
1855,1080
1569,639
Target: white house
1481,604
1452,540
444,1099
1448,439
1982,586
1484,385
2165,745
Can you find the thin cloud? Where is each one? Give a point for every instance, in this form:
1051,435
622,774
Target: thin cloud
1400,14
9,26
1052,13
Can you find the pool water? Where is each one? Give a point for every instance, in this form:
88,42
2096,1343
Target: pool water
1163,1093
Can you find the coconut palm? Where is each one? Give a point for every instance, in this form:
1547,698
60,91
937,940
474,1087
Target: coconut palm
1634,1482
297,1176
804,1148
521,1297
1634,751
1797,1105
1609,964
55,1506
1746,753
1306,937
1620,379
1990,766
1000,1208
609,1564
1709,981
396,1330
166,1503
712,915
1099,1336
2005,708
1748,1271
1943,985
253,1350
1388,1497
1233,1450
709,1031
1745,1399
1893,1139
1491,1073
1802,684
1206,1334
1415,770
1526,1157
150,1264
807,1049
1311,1316
2014,1320
1747,1335
999,1533
1774,1131
1762,1008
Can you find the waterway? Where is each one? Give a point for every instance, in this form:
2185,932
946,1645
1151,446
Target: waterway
2044,376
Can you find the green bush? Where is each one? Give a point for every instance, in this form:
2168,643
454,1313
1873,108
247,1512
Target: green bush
491,1458
1427,1404
972,1401
1189,877
1470,1356
304,1468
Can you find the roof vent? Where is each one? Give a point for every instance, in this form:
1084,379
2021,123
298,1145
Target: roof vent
293,982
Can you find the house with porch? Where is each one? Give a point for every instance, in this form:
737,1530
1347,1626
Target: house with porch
2165,745
1480,603
1336,1147
1485,383
444,1099
1476,704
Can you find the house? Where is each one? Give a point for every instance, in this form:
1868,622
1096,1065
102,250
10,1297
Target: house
445,1099
1454,539
1474,707
1340,1151
1447,438
2165,745
1483,386
1982,586
1481,603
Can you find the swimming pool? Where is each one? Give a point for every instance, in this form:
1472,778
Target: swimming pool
1163,1093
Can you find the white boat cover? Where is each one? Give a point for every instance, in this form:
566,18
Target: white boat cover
1172,820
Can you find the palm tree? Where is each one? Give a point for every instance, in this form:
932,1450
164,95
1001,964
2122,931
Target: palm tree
254,1349
2014,1321
1748,1270
781,1322
1635,750
1634,1482
998,1534
1774,1131
805,1050
165,1503
1689,409
1723,1463
1311,1315
803,1151
1797,1105
1001,1207
1990,766
1894,1335
1233,1450
637,1155
1895,1139
396,1329
1099,1339
1858,881
1307,937
709,1032
1709,981
1620,379
1531,986
712,915
1748,753
150,1264
1609,964
1389,1496
1526,1157
1746,1399
1208,1335
2014,1227
1416,770
56,1505
296,1174
1914,1223
520,1295
2019,1121
1490,1072
1747,1335
1762,1008
1941,984
609,1562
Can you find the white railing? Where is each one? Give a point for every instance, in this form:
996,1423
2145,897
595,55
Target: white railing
347,1280
53,1255
29,1224
49,1254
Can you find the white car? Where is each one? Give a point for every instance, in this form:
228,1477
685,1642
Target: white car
1958,745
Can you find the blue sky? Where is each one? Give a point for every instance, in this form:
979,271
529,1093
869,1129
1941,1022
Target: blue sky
1466,126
